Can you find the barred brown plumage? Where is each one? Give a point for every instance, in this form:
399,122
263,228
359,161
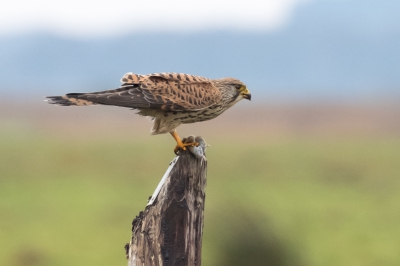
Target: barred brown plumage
170,99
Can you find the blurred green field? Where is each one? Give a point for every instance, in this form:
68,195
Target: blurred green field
285,202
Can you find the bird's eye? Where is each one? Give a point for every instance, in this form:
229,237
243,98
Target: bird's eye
238,87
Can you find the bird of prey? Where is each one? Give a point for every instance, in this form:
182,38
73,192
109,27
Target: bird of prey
170,99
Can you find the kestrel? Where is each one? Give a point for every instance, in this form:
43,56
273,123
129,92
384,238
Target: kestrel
170,99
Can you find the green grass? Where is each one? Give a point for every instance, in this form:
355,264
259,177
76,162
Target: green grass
291,202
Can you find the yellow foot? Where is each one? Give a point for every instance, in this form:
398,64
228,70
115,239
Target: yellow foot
182,146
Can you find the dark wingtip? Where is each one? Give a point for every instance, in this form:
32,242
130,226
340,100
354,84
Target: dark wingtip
59,100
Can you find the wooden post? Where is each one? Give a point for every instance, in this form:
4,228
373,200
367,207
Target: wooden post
169,231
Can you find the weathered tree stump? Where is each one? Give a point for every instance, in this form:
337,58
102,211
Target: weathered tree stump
169,231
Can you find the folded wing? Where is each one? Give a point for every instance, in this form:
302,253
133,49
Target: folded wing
163,91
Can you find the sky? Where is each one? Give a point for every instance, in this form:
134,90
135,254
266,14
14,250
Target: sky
345,50
90,18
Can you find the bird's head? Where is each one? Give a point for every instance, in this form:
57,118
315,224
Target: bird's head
243,91
233,90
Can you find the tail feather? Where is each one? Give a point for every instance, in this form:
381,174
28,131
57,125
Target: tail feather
70,99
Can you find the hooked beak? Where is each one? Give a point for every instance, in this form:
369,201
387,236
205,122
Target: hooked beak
247,96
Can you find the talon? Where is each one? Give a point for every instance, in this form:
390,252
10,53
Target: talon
181,145
176,149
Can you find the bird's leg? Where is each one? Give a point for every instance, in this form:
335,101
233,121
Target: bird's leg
180,144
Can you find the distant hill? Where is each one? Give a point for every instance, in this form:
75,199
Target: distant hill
338,49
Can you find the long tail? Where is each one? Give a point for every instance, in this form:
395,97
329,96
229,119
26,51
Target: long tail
69,99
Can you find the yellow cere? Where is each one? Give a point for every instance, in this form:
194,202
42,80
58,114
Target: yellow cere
244,90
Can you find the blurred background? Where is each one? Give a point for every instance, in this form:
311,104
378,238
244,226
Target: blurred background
307,173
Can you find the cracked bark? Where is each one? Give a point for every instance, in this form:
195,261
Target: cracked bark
169,231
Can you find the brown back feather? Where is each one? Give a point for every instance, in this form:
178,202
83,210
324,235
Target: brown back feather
174,91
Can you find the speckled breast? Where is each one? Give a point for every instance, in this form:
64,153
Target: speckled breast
186,117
